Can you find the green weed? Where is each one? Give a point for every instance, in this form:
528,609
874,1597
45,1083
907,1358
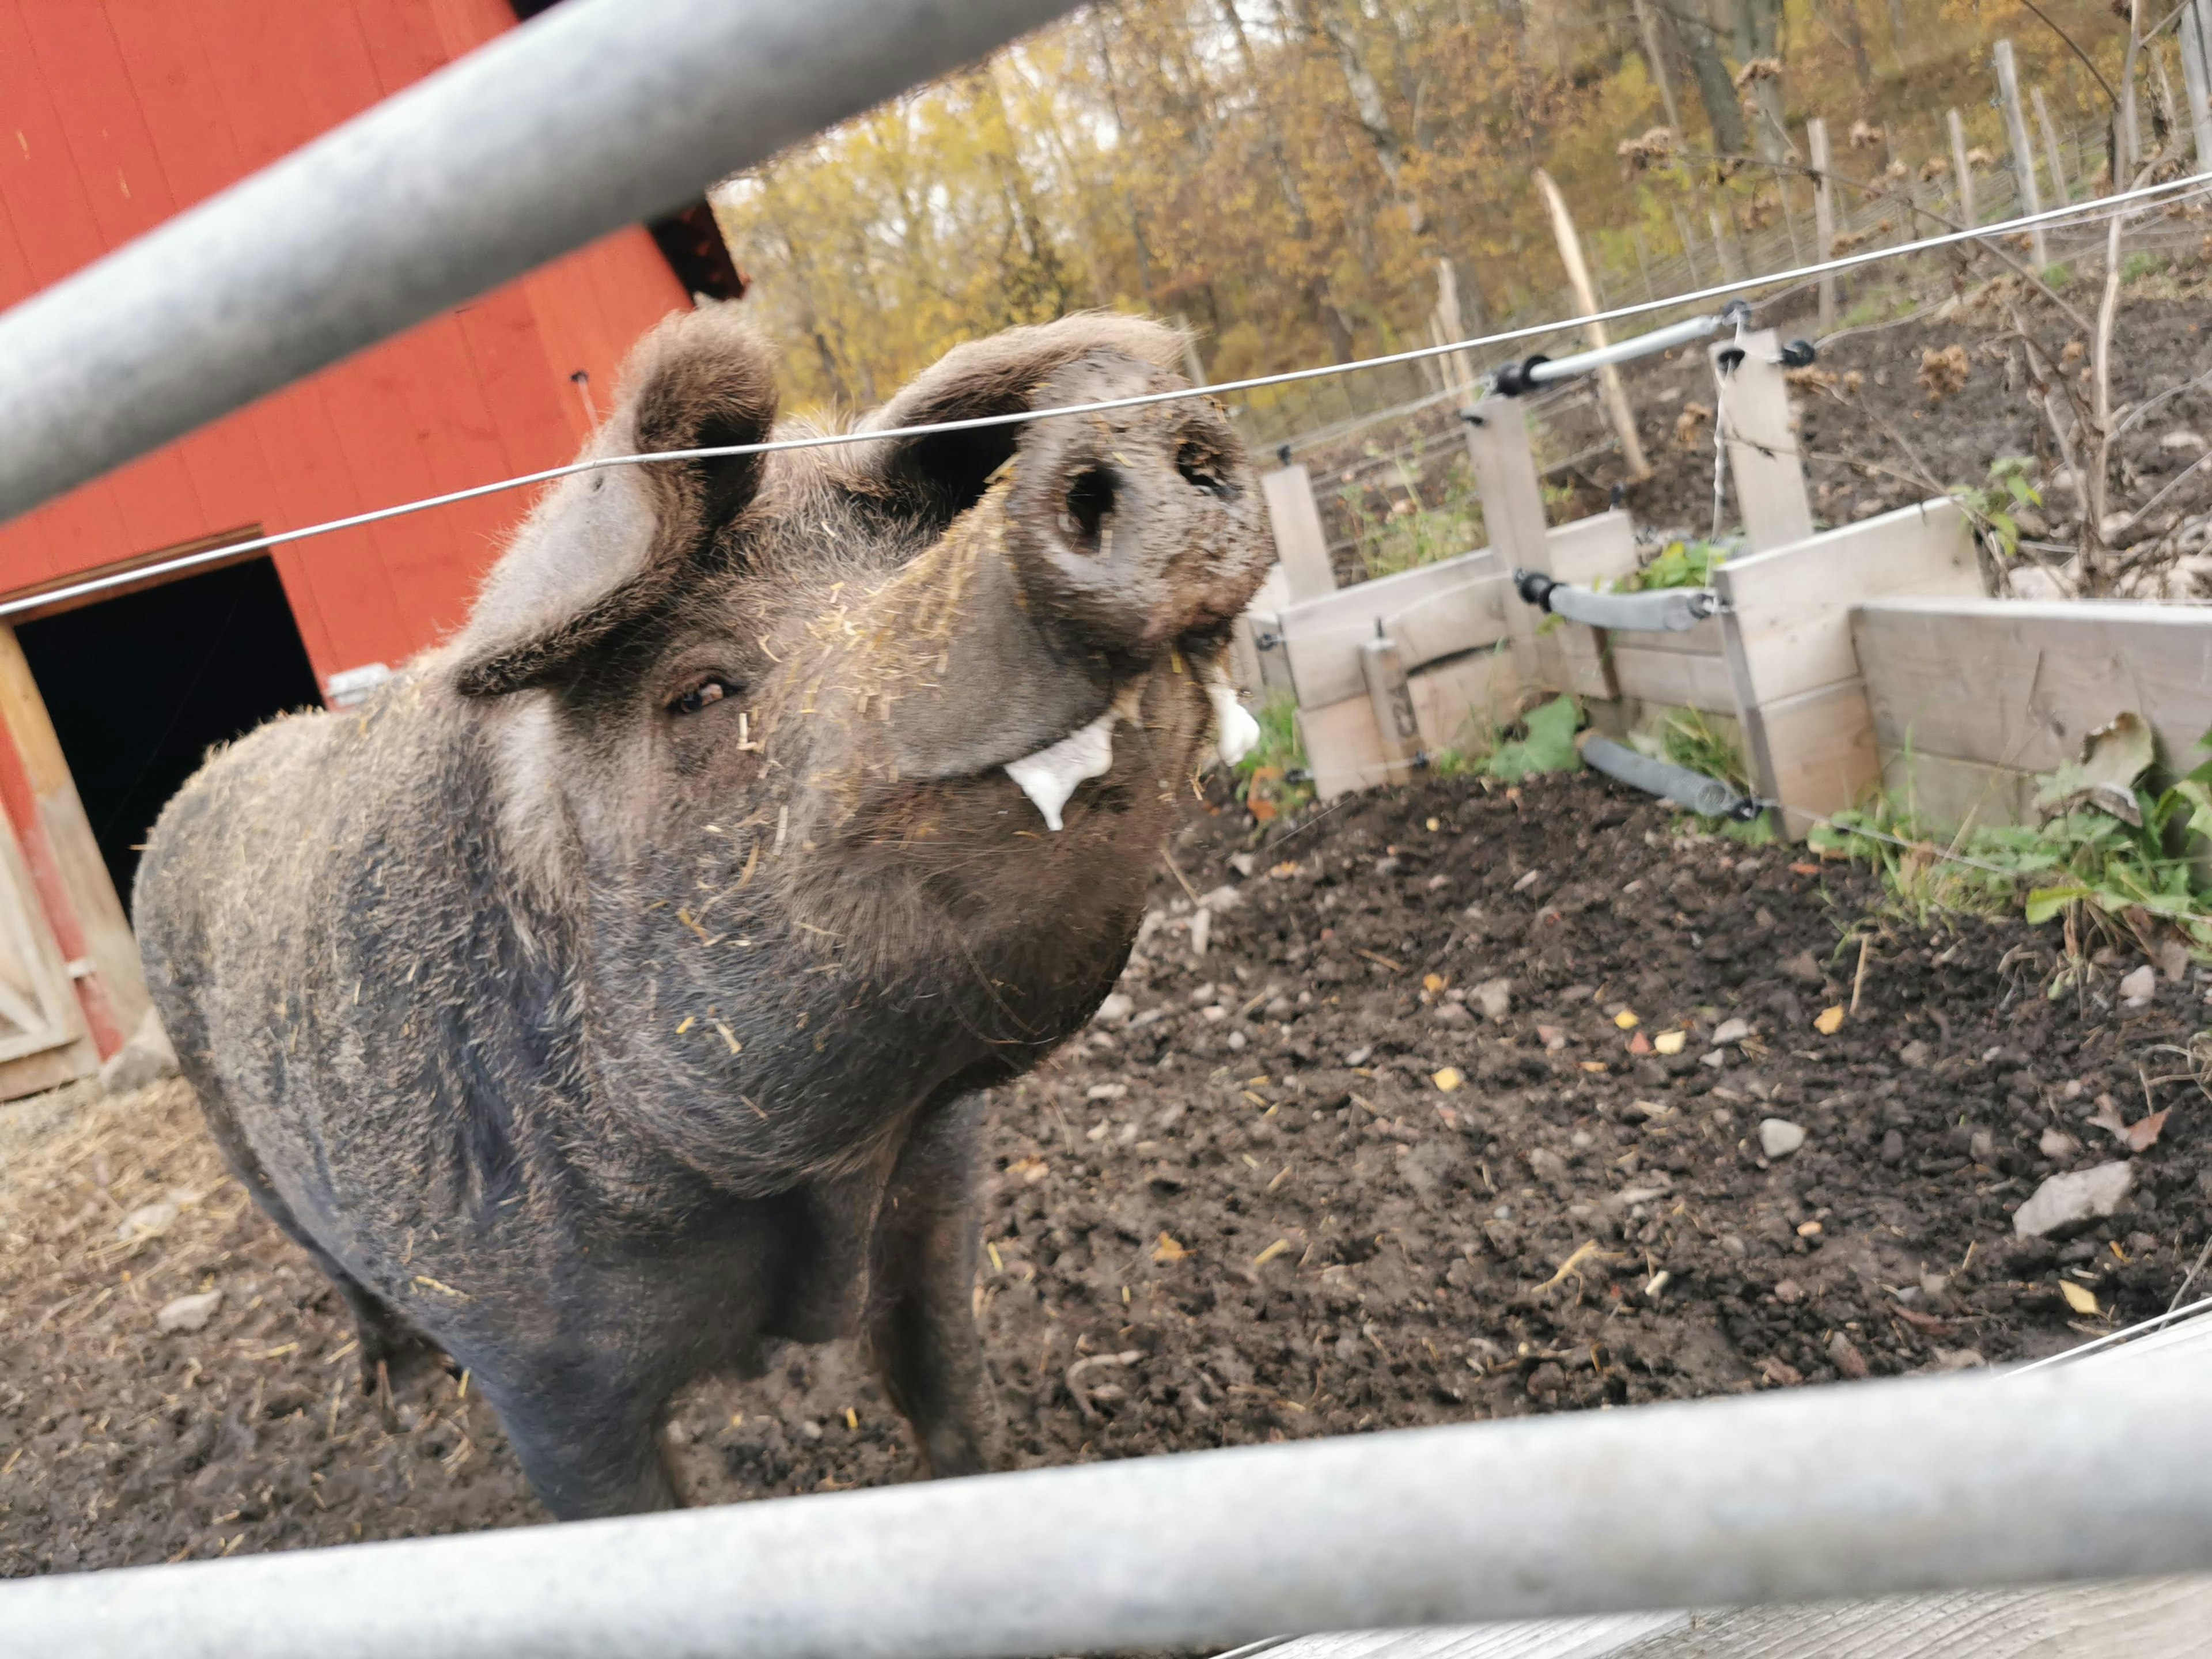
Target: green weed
1263,777
1547,746
1690,740
1411,533
2117,857
1992,505
1679,564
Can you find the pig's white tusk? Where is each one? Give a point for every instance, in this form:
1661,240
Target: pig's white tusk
1049,776
1235,731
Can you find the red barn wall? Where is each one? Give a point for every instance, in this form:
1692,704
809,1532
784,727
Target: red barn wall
115,114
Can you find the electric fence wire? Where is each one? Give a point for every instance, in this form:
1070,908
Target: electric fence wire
2097,208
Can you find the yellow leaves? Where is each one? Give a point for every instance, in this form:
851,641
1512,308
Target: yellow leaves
1670,1043
1166,1249
1830,1020
1432,983
1448,1079
1029,1170
2079,1297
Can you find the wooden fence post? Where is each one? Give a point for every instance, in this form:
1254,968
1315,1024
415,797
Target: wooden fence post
2197,77
2023,149
1824,216
1962,176
2061,191
1459,370
1301,543
1725,248
1753,421
1689,249
1512,508
1611,393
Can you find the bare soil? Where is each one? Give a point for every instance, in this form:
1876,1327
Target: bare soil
1250,1210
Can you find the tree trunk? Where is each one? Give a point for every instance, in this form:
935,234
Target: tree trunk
1655,53
1759,36
1715,91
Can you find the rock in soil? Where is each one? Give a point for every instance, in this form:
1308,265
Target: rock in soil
188,1313
1778,1137
2067,1200
1303,1236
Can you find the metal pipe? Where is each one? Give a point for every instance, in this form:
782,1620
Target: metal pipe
1516,378
597,114
1863,1490
1657,610
1707,797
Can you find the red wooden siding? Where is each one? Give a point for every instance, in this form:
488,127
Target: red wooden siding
115,114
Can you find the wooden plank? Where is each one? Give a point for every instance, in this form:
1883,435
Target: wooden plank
1468,617
2020,683
1593,549
1344,752
93,923
1460,704
2141,1618
1323,635
1540,1638
1788,627
1815,753
1301,543
1680,679
1947,794
1754,422
1513,508
1703,641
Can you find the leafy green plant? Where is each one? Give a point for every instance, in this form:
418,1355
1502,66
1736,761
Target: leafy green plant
2115,851
2136,266
1548,746
1691,740
1411,533
1263,777
1679,564
1992,506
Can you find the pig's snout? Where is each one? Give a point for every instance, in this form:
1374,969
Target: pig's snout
1134,529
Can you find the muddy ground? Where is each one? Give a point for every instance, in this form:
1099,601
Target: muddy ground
1250,1209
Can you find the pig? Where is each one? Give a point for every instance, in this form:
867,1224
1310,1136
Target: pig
604,1002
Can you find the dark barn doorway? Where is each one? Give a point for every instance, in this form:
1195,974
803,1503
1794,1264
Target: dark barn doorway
138,687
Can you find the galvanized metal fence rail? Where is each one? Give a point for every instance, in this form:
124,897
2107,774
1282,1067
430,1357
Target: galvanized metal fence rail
607,111
1857,1491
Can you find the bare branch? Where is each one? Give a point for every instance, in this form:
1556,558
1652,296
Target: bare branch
1908,204
2073,45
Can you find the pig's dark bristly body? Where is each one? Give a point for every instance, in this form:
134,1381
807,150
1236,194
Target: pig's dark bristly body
600,1002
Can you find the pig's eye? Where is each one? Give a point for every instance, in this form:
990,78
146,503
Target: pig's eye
706,691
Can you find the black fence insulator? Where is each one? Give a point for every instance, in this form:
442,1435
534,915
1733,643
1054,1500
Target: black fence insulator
1534,588
1799,353
1514,379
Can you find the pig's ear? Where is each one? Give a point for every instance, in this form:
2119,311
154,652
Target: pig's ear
604,548
997,376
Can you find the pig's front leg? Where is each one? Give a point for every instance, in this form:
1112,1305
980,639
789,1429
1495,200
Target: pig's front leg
921,1323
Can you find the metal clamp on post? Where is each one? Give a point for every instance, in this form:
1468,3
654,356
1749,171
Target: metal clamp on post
1707,797
1662,610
